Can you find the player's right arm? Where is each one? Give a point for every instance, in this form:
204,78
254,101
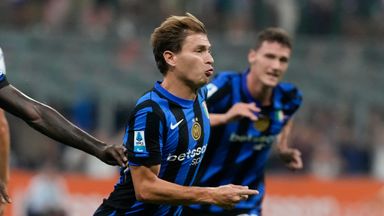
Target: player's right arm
51,123
144,140
150,188
237,111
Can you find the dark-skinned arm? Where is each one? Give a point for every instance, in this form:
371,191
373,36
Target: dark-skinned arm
51,123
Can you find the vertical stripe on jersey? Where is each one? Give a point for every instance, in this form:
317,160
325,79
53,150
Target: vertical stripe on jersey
248,169
232,154
199,115
214,138
192,171
173,168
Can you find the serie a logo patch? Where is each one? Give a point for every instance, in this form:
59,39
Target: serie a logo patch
139,142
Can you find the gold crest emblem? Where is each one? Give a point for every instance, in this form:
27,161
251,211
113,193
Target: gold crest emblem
262,123
196,130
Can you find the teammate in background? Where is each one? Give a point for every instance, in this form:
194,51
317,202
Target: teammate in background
248,111
51,123
167,133
4,154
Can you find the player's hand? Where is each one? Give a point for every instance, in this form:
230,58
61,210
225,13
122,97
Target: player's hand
227,196
4,198
2,206
114,155
291,158
242,110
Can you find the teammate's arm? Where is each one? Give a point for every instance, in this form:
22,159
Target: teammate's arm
150,188
51,123
4,162
290,156
237,111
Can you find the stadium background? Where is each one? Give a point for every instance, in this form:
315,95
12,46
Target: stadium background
91,59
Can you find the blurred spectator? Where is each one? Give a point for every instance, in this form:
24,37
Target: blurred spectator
47,193
326,162
377,125
288,14
55,14
98,18
320,17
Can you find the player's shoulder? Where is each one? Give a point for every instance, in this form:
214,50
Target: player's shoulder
223,78
288,88
149,102
290,92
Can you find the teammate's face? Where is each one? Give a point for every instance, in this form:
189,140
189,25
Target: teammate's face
194,63
269,63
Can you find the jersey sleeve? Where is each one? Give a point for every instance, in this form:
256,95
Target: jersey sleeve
3,78
143,138
292,98
219,92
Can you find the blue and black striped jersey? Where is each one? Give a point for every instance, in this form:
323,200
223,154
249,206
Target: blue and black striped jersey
167,130
238,151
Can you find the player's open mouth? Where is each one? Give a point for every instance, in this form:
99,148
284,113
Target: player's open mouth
209,72
274,75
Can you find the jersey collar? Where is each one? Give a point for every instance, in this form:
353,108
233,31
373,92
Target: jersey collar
177,100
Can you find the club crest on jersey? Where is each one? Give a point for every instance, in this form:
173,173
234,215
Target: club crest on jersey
262,124
196,130
139,142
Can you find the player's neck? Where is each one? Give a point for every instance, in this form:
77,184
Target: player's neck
259,91
178,88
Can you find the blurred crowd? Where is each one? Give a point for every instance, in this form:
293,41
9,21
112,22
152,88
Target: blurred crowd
99,18
333,141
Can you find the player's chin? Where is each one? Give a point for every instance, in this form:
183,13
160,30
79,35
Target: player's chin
203,81
272,83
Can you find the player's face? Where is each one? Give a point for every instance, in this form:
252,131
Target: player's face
269,63
194,63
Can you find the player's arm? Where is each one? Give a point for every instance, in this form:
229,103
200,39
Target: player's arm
51,123
4,162
237,111
290,156
150,188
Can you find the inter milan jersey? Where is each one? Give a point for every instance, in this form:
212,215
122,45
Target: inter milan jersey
3,78
167,130
238,151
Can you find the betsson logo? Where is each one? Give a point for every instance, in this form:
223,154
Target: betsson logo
191,153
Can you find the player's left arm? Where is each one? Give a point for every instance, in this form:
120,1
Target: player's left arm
4,161
290,156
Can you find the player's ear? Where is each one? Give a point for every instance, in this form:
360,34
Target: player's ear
251,55
170,57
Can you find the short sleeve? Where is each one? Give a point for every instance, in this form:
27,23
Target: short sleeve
3,78
143,138
292,98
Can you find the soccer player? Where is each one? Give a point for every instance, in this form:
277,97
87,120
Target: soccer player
167,133
249,111
51,123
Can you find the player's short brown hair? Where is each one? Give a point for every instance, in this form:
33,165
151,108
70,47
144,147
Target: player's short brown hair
274,34
171,34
